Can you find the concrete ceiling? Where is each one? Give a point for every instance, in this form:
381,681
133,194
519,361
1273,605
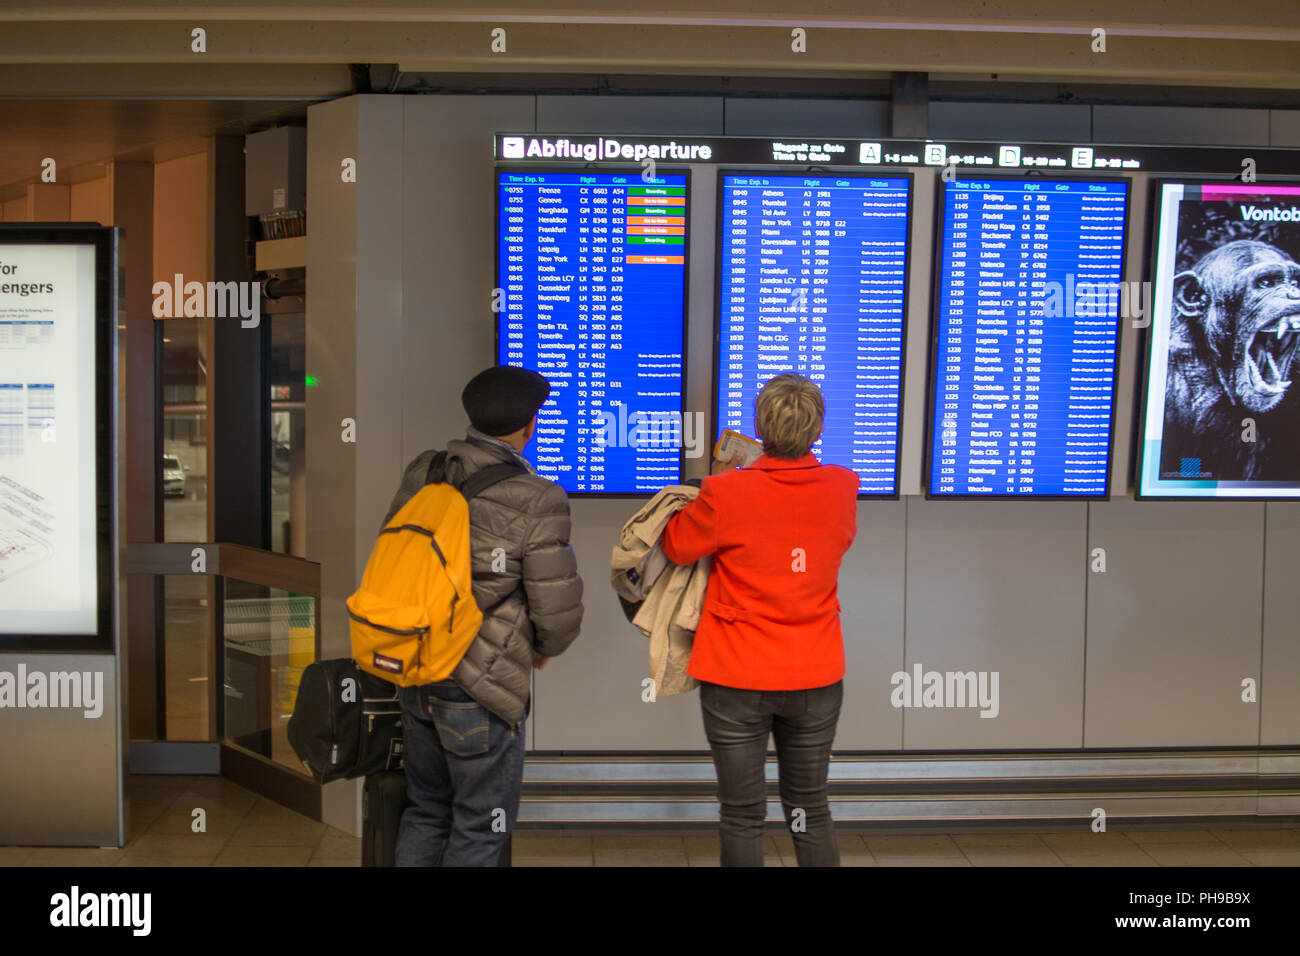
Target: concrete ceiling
1199,42
78,134
89,81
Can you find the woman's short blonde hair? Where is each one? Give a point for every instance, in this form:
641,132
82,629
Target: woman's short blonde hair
788,416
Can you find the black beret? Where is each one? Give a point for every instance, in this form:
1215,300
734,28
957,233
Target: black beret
503,399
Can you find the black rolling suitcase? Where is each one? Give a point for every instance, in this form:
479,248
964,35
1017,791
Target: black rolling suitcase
383,803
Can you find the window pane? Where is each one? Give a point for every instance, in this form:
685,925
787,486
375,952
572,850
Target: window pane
270,638
185,431
187,652
288,431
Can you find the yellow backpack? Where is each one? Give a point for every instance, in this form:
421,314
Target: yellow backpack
414,616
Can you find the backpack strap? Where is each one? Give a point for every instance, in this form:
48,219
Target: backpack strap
485,478
430,468
427,468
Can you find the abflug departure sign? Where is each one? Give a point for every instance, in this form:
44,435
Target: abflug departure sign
591,148
600,148
949,154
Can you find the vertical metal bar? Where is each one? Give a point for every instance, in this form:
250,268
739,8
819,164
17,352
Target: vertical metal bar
132,210
217,604
159,534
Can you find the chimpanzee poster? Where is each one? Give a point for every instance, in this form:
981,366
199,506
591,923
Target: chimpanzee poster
1223,409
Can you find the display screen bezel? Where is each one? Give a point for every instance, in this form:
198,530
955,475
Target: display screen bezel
104,324
855,172
616,169
932,379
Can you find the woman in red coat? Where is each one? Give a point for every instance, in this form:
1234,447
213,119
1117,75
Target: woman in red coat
768,651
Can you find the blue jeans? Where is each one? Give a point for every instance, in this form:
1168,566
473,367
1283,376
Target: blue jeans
738,724
464,775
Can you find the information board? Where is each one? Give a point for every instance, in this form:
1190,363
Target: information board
813,280
55,452
1222,409
1026,335
592,268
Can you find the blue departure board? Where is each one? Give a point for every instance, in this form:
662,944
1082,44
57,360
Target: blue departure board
1026,334
813,279
592,266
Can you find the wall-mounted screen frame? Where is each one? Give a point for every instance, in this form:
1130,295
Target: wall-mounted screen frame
657,427
1090,296
61,494
1228,425
724,274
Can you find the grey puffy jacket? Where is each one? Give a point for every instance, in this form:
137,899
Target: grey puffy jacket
535,604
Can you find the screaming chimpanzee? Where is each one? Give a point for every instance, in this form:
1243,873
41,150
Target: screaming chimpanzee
1232,340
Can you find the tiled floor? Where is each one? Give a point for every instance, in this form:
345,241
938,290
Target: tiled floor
243,829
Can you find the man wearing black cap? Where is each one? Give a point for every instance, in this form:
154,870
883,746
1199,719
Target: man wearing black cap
464,746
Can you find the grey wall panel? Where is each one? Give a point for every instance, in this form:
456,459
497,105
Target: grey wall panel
1040,122
448,258
871,602
1284,129
1280,681
1174,623
1179,124
60,771
648,115
589,698
998,586
846,119
332,130
380,310
332,262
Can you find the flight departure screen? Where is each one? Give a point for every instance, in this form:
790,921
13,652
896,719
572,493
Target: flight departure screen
1026,318
593,270
813,280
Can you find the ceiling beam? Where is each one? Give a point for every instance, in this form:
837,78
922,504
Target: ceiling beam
1208,19
1234,57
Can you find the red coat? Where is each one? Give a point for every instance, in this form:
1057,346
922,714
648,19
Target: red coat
777,531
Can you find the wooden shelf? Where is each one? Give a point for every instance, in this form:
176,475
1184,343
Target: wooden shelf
282,254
